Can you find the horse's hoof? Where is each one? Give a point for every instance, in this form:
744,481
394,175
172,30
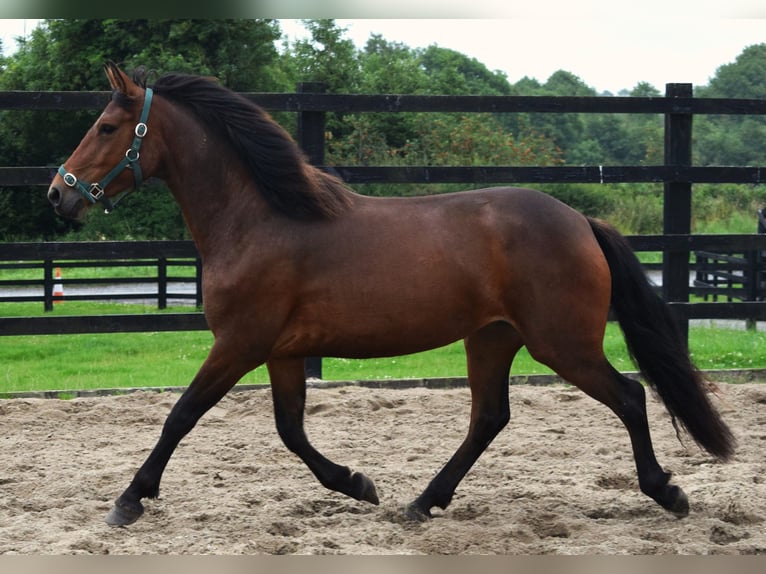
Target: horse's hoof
123,514
680,504
414,512
364,488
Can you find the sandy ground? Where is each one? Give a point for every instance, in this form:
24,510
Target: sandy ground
558,480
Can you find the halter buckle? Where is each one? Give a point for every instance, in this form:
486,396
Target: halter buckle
96,191
70,179
141,129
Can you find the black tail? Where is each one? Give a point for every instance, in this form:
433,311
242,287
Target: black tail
657,347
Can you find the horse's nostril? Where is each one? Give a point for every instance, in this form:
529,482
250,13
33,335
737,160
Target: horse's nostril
54,196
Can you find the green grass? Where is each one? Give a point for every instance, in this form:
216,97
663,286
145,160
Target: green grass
148,272
79,362
126,360
84,308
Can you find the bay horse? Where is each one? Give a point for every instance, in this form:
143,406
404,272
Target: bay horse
295,264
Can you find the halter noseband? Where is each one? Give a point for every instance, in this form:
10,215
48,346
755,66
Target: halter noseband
94,192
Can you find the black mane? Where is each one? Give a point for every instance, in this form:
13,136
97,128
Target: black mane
277,164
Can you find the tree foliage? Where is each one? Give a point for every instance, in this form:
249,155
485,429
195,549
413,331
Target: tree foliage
735,140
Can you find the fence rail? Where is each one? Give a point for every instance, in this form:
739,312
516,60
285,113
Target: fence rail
317,101
310,103
33,176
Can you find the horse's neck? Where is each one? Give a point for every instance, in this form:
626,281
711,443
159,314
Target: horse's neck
213,188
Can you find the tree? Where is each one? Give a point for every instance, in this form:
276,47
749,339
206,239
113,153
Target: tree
741,79
330,58
621,139
566,130
391,68
327,57
734,140
450,72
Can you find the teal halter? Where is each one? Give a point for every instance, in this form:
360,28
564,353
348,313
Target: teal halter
94,192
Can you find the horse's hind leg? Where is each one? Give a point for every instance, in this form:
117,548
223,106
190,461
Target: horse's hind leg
627,399
288,388
490,352
219,373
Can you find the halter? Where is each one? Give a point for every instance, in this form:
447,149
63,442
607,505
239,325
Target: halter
94,192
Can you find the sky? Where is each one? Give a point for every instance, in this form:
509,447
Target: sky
607,53
10,29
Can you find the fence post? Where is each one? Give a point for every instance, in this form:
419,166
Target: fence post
198,282
48,285
760,259
751,284
677,200
753,273
162,283
311,126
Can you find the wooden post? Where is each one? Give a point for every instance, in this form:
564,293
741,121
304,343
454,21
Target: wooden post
48,285
311,126
198,282
162,283
677,197
751,280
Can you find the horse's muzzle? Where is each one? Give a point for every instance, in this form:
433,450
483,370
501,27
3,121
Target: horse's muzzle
54,196
66,204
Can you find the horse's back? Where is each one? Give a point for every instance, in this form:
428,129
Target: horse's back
517,229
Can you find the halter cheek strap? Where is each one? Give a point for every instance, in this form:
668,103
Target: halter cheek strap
94,192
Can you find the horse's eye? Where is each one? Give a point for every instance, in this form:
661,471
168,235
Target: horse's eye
106,129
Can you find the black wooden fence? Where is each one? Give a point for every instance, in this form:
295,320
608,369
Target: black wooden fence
152,278
677,173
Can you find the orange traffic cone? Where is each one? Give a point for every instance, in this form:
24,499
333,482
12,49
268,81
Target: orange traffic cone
58,288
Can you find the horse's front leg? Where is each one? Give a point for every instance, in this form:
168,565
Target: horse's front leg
218,374
288,388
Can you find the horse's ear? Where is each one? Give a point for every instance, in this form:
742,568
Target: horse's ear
118,79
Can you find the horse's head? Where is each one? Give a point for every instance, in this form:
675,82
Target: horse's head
106,162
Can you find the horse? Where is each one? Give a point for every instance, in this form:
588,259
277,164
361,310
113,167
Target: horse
297,265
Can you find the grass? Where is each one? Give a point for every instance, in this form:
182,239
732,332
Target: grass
35,271
127,360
